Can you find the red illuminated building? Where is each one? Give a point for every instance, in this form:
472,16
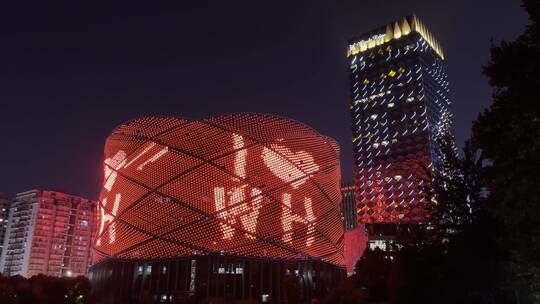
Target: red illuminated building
223,207
48,232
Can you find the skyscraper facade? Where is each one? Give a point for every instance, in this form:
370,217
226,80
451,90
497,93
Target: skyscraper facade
400,110
48,232
348,207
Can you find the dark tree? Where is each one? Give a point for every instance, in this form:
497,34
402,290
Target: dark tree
368,284
508,136
455,192
454,257
42,289
349,292
372,272
290,285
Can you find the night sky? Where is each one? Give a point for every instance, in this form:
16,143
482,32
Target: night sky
70,74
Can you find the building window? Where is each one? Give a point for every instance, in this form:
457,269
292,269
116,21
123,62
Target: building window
192,275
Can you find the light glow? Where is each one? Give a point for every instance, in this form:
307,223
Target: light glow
154,158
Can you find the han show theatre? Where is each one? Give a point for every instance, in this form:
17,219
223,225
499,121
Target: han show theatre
242,206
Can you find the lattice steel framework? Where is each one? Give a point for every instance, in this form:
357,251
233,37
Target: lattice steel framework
243,184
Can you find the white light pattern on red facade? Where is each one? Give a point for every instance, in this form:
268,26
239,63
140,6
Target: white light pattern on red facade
106,217
220,185
153,158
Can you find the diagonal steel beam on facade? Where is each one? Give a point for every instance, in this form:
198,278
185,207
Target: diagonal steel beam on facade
204,214
211,162
264,144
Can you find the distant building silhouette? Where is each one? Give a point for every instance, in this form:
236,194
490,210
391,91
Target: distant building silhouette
48,232
4,214
348,207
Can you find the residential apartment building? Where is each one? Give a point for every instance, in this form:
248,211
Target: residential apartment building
48,232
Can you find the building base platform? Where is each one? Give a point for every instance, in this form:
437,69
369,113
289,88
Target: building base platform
192,279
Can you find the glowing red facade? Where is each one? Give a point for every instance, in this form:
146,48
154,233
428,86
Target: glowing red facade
246,184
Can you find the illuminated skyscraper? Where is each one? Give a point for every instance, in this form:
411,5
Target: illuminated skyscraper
48,232
400,108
